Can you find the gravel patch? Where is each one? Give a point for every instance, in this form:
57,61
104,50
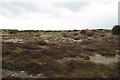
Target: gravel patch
21,74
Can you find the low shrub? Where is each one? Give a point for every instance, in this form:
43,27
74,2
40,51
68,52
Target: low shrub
75,34
83,32
116,30
77,38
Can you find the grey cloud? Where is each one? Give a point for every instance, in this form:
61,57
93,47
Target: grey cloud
73,6
16,8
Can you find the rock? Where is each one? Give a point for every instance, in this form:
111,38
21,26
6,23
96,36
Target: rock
22,71
90,38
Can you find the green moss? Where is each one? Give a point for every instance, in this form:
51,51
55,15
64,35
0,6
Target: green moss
18,50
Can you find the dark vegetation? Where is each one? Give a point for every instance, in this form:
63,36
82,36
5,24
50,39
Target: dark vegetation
40,56
116,30
10,31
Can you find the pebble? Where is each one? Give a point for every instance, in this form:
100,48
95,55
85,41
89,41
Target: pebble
22,71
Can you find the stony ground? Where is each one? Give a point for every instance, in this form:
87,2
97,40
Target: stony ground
60,54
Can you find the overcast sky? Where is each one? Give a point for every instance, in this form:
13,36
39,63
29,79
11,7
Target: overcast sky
58,14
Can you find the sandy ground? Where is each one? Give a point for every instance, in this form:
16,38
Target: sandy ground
102,59
14,40
94,58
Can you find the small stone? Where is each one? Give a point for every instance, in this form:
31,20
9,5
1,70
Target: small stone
22,71
117,51
30,75
12,74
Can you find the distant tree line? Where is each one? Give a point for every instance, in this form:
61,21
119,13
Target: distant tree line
115,30
11,31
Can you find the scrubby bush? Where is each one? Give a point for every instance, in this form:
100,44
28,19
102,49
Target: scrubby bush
83,32
33,67
12,31
37,35
87,32
56,66
75,30
6,52
90,33
18,50
116,30
75,34
77,38
39,42
72,65
64,35
42,42
100,29
102,35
